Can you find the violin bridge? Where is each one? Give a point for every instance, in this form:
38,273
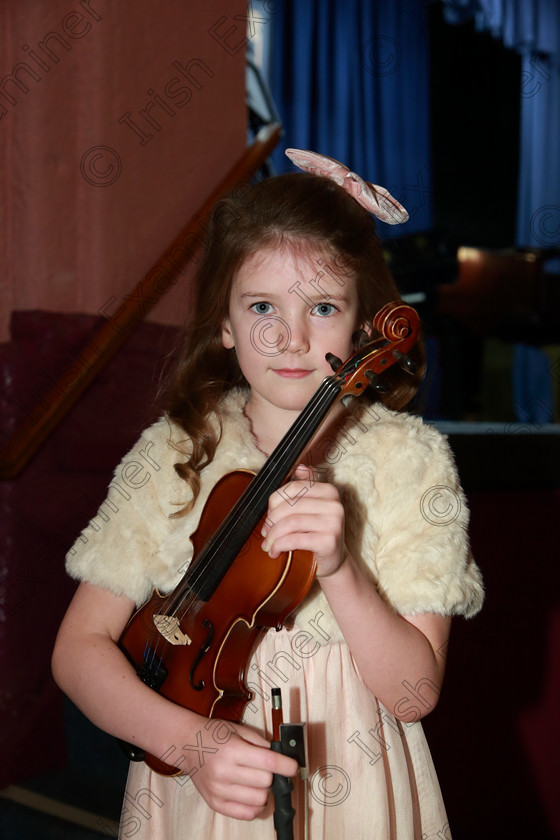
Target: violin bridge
169,628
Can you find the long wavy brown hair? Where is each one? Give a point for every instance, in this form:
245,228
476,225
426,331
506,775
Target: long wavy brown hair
290,211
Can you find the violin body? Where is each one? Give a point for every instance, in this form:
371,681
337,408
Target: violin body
199,661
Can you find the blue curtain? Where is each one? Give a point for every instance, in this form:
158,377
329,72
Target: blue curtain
532,27
351,80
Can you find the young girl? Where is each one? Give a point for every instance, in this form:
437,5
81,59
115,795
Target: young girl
291,269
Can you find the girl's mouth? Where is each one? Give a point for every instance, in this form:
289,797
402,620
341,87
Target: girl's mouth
292,373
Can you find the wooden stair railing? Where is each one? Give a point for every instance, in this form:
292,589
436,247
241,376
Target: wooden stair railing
19,450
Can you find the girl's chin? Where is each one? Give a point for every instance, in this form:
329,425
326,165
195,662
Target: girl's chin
290,403
286,394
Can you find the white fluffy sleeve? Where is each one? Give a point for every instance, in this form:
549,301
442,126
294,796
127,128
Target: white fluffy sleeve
118,549
408,518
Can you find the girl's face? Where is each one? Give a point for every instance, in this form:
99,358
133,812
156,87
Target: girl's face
286,312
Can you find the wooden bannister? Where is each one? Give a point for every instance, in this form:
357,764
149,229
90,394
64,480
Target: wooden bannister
36,429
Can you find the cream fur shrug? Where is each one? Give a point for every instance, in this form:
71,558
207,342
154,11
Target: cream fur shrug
406,514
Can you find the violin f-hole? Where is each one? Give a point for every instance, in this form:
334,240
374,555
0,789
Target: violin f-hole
199,686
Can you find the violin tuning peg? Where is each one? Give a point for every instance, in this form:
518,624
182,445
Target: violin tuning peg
405,363
372,378
360,338
333,361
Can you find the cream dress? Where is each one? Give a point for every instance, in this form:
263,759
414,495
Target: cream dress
369,774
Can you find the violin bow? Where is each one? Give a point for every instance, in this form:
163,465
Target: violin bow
288,739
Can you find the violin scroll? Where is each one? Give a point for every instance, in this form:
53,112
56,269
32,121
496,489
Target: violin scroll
396,321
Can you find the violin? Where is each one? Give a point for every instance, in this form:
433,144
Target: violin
193,644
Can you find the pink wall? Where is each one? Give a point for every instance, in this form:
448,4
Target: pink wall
93,189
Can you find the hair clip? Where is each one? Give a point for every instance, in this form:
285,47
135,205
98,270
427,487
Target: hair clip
375,199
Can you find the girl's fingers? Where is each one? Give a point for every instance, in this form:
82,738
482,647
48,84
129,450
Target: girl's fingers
304,482
307,517
238,784
329,523
248,748
264,760
324,548
243,777
297,493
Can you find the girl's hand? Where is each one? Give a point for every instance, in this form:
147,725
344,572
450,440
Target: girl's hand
235,781
308,515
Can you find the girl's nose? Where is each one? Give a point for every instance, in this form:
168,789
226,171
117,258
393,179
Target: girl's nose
299,336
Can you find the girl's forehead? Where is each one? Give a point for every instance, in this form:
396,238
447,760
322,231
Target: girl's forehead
306,257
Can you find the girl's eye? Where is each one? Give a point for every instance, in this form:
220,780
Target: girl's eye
324,309
262,308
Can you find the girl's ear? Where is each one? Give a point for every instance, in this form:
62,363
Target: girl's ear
227,335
